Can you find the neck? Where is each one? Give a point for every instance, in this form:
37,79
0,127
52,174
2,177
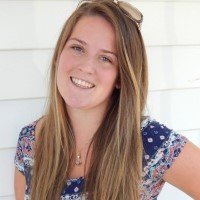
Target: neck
85,122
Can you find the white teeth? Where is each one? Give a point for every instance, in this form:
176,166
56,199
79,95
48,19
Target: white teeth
81,83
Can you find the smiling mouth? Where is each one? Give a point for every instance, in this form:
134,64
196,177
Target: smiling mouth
81,83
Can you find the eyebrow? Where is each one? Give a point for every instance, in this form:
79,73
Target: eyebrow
80,41
84,43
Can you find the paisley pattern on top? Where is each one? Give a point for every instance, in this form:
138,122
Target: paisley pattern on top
161,147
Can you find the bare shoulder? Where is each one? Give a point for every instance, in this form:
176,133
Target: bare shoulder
185,171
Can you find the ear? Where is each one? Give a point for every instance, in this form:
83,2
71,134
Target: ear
118,86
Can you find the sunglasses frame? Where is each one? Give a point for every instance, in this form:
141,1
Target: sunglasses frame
122,5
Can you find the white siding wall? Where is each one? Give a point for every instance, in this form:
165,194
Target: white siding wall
28,32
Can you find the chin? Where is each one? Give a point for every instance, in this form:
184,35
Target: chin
76,105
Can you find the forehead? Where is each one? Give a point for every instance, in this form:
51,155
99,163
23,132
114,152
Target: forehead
96,28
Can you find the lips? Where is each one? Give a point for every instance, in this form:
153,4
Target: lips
82,83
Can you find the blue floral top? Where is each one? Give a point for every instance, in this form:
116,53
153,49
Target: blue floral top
161,146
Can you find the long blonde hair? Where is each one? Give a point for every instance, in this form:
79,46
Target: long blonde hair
116,161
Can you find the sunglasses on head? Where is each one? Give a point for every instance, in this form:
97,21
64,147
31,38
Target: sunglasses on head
127,9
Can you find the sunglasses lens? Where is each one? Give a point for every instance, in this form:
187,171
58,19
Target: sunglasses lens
131,11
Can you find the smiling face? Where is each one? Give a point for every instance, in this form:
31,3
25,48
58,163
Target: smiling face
88,66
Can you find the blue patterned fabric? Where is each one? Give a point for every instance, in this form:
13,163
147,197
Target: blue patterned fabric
161,147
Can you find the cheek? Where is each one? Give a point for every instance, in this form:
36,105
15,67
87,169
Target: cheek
110,78
66,62
62,69
63,64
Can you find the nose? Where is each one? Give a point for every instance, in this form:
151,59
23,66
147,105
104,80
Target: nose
87,66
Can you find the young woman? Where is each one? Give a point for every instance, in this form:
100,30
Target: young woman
94,141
